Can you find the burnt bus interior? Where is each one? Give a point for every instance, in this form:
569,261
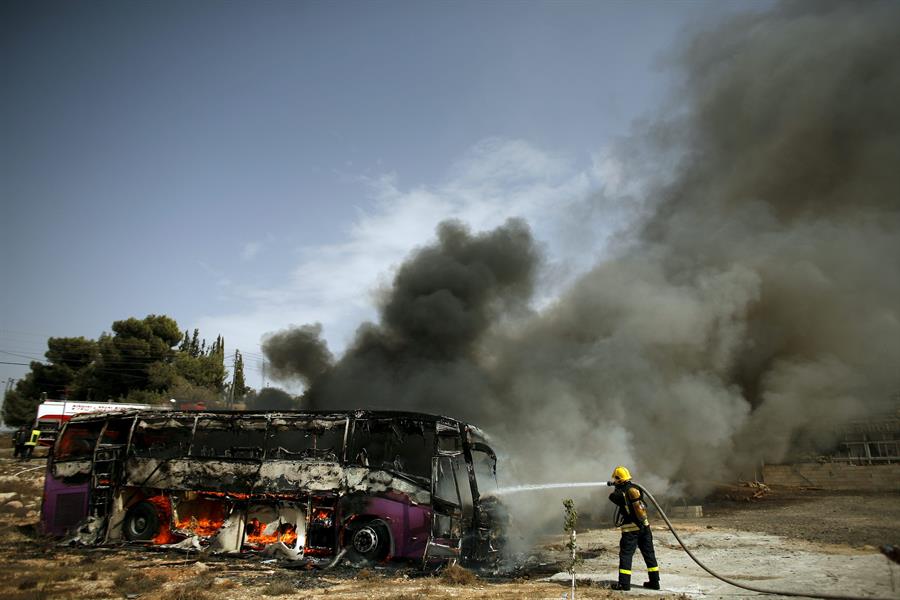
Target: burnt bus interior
308,486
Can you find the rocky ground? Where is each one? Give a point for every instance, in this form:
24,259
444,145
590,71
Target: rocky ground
788,539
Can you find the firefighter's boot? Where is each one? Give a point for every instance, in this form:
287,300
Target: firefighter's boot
653,584
624,582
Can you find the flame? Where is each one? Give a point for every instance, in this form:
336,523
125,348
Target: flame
322,514
286,533
164,508
235,495
208,518
203,518
203,527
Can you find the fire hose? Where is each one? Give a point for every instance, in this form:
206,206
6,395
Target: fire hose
742,585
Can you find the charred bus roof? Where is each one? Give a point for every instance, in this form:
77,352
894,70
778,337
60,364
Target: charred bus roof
300,414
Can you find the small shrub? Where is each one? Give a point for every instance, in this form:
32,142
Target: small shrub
35,594
65,573
457,575
226,584
279,588
367,575
28,584
130,582
195,589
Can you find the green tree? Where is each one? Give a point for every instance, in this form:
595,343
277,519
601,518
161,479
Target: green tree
185,345
194,348
240,384
73,352
56,378
19,409
126,356
137,362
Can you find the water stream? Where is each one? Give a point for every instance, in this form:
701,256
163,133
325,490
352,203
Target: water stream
548,486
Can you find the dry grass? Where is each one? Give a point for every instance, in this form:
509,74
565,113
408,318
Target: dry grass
367,575
128,582
204,586
456,575
226,584
35,594
27,485
279,588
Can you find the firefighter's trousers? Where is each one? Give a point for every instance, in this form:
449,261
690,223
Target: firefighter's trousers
642,539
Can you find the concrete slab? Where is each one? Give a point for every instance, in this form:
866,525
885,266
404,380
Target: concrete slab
755,559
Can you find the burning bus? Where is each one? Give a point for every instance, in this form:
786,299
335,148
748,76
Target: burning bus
315,486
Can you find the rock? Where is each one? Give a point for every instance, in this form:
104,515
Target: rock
14,505
31,514
200,567
7,497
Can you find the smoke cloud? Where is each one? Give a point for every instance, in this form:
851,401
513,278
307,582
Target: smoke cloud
298,353
755,303
424,354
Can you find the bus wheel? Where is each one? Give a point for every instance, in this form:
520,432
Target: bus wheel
142,523
369,541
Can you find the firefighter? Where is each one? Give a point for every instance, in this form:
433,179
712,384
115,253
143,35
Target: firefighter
19,439
32,442
631,518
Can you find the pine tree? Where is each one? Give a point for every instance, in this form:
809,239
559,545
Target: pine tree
186,342
240,385
19,409
194,350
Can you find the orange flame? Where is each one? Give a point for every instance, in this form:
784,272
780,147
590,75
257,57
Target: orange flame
164,508
208,518
204,518
203,527
286,533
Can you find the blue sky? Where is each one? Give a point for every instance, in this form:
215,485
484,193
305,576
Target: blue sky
243,166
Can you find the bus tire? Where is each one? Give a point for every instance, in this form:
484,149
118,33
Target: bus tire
368,541
142,523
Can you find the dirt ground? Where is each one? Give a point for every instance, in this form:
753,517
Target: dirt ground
798,540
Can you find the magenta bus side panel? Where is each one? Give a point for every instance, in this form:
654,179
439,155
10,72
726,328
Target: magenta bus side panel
64,505
409,524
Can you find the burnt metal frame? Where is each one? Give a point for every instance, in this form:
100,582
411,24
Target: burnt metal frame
350,419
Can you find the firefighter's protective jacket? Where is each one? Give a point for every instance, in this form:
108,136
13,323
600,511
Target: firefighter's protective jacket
631,513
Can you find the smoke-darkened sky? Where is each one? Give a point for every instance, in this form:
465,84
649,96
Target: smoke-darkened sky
241,165
751,306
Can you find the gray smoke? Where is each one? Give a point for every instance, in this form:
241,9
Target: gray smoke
424,352
298,353
756,303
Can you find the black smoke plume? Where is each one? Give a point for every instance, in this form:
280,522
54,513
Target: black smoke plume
298,353
443,302
756,303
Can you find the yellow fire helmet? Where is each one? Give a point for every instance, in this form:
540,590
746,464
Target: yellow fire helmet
620,473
